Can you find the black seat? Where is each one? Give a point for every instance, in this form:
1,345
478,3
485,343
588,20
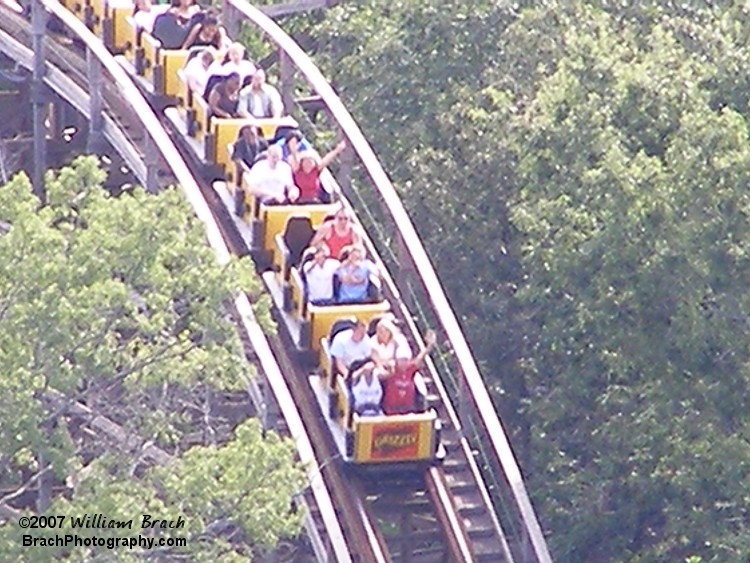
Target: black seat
374,292
169,32
298,234
307,256
295,239
336,287
340,325
213,80
356,364
324,195
281,132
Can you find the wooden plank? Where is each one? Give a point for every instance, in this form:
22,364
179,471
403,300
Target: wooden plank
280,10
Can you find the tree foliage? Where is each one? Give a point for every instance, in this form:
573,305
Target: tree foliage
579,173
117,304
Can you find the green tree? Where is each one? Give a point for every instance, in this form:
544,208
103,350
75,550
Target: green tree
117,305
582,168
631,219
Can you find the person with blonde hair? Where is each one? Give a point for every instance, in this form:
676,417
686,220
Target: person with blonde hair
307,166
235,61
385,342
337,233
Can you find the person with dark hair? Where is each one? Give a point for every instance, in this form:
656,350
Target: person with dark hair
223,98
366,390
249,145
185,11
247,149
293,138
208,33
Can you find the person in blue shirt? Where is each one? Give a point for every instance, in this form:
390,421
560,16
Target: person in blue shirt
354,275
293,138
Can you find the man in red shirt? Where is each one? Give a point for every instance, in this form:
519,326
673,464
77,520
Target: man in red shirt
400,393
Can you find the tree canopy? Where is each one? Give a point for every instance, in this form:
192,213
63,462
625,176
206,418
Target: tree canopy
115,308
579,173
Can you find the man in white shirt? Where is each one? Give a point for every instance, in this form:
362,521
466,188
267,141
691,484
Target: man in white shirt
259,99
367,391
349,346
196,71
271,179
145,13
319,276
236,63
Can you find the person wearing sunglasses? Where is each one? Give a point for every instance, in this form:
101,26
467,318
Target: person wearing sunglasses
337,233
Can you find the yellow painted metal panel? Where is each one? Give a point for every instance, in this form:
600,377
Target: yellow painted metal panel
184,94
342,399
201,116
362,440
225,133
128,35
325,362
385,439
123,35
425,447
295,281
98,7
172,60
151,54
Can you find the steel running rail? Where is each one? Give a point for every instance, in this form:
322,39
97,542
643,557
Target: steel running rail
192,191
493,429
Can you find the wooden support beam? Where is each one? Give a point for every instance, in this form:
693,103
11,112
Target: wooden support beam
148,451
280,10
7,512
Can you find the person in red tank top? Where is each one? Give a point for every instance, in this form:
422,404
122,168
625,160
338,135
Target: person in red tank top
337,233
307,166
400,393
